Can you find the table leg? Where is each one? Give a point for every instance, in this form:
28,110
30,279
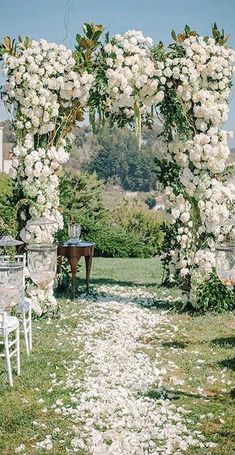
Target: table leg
73,265
88,260
59,262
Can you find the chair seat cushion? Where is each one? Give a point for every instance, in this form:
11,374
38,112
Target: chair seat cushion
11,322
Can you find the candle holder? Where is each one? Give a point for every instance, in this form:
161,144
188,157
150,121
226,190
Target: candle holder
11,283
42,264
74,233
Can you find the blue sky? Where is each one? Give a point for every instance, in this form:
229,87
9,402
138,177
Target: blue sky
156,18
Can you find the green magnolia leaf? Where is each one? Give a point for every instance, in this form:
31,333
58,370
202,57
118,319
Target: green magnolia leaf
26,42
97,35
174,36
84,43
180,37
78,37
7,43
187,29
89,30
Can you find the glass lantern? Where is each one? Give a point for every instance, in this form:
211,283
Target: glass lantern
225,263
74,233
42,263
11,283
8,240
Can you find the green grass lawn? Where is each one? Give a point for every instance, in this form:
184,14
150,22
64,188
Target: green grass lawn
126,272
203,350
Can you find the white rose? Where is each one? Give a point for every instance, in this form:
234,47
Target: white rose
175,213
185,217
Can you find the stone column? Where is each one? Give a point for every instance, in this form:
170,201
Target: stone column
1,148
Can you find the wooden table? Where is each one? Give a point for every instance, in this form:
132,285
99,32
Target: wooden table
74,252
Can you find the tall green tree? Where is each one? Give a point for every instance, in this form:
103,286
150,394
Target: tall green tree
118,157
80,200
8,215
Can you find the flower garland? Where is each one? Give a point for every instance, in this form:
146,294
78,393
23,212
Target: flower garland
132,83
188,85
201,203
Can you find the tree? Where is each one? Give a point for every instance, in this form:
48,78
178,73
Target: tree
80,200
8,215
118,156
150,201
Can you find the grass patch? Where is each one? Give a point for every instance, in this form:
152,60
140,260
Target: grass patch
202,349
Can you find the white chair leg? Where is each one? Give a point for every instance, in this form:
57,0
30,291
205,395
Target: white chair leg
8,359
25,334
18,350
30,331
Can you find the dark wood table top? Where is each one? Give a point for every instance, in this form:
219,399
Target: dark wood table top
76,249
76,245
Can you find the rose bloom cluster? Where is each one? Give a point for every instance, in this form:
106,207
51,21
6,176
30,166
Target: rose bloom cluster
42,87
214,201
182,248
203,77
40,81
42,299
206,151
40,184
131,73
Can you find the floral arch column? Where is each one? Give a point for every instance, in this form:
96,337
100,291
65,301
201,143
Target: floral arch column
188,86
46,94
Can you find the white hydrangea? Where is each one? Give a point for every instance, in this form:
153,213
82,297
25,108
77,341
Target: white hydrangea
203,76
42,87
40,82
131,74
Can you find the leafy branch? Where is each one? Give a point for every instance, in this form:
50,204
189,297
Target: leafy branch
87,45
219,37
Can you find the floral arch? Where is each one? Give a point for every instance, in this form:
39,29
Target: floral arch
128,80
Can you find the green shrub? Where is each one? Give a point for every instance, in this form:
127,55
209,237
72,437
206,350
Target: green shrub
212,295
135,219
130,230
80,201
113,240
8,211
150,201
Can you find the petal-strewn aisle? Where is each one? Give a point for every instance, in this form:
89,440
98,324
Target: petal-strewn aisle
113,409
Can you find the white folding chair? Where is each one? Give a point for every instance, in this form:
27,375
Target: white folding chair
25,306
10,332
